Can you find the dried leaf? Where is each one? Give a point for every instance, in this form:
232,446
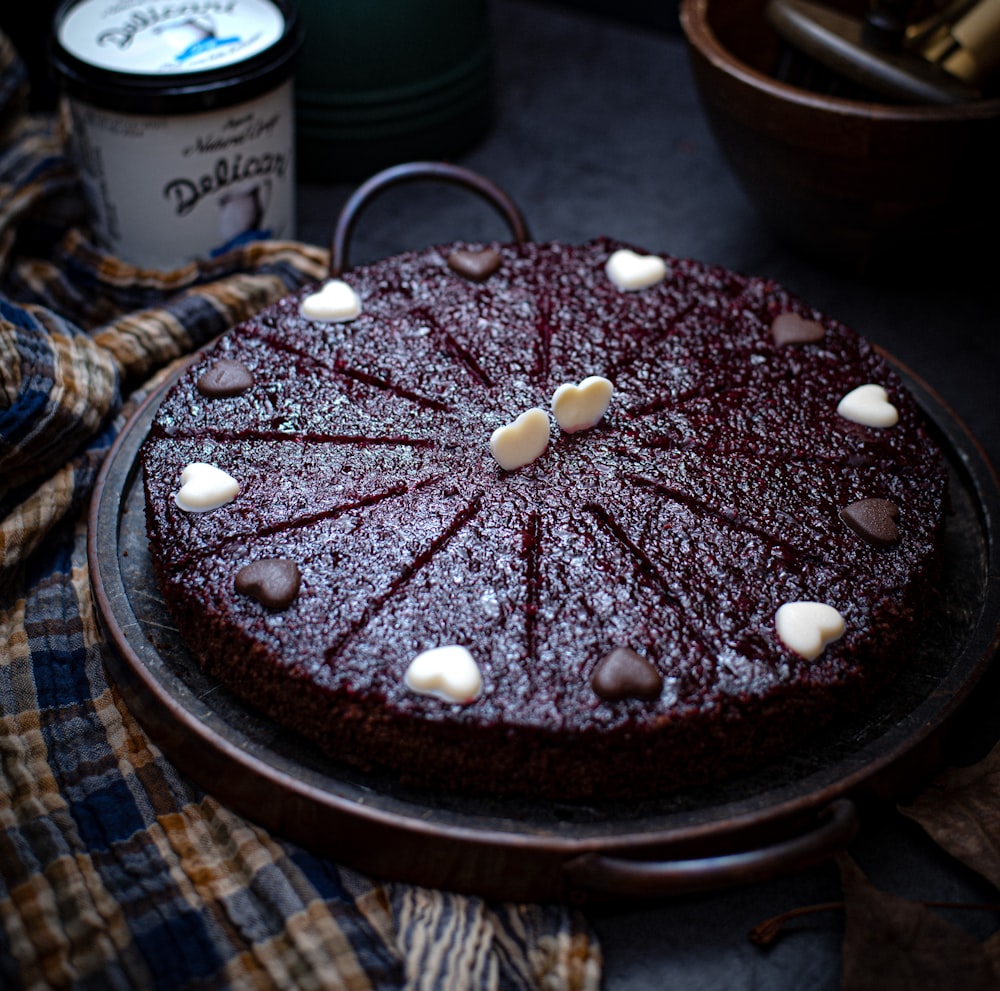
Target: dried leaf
891,943
765,933
960,811
992,946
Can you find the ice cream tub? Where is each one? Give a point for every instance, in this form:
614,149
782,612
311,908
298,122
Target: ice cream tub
181,120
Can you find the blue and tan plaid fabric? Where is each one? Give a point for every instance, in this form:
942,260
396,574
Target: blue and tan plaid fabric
115,872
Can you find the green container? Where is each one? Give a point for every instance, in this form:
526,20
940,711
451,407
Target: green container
385,81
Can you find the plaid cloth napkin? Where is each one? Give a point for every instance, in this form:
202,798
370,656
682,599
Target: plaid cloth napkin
115,872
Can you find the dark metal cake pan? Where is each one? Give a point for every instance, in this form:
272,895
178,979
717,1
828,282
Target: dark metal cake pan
788,815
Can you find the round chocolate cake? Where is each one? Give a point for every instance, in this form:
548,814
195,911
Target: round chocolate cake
549,520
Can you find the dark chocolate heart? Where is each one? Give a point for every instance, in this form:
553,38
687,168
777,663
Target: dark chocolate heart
225,378
790,328
625,674
475,265
873,520
273,582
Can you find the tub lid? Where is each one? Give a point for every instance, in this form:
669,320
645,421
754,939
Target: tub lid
170,56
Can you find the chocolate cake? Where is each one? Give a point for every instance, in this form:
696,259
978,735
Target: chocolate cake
721,540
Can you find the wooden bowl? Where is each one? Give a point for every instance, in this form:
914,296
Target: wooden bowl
865,186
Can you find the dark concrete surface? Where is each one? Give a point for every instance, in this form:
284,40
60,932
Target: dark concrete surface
598,131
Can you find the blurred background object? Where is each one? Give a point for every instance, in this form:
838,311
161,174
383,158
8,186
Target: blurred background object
894,50
181,123
864,57
964,39
859,182
388,82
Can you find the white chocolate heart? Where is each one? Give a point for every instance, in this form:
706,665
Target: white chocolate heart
205,487
807,627
579,407
336,302
631,271
869,405
518,444
448,673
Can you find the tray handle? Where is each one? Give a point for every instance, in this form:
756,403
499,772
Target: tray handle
836,825
409,172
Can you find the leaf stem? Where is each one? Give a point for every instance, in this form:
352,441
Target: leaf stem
766,932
